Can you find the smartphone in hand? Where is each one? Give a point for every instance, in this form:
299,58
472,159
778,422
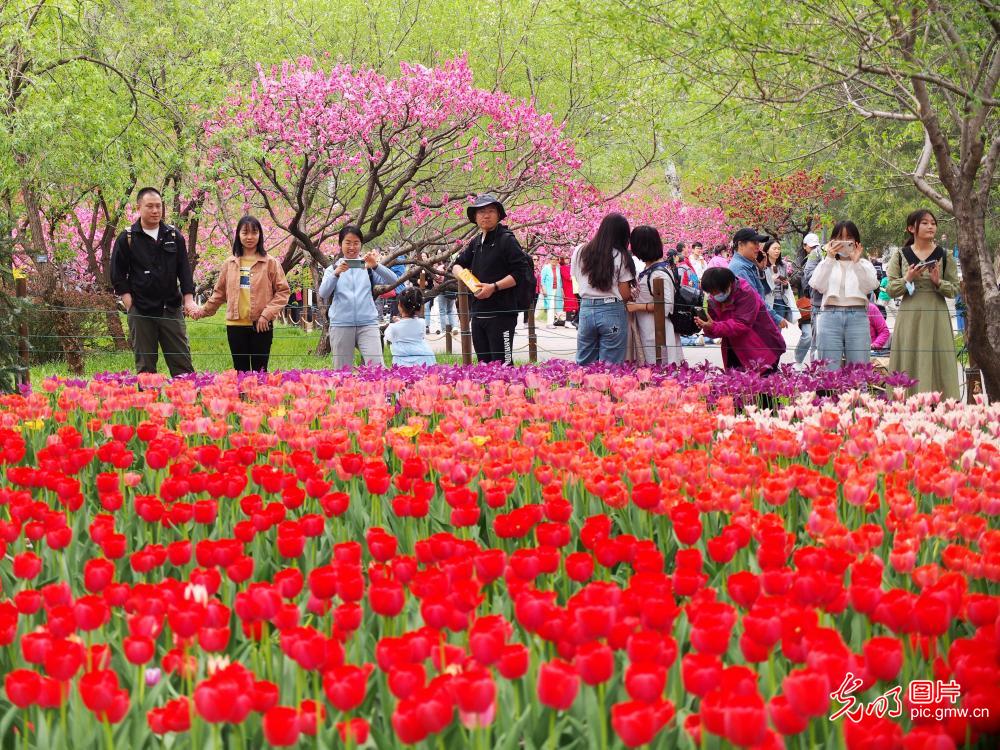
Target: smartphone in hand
355,262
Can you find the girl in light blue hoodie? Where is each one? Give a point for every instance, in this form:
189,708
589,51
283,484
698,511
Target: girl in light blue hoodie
353,316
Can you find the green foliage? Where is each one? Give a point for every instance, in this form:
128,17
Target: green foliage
293,349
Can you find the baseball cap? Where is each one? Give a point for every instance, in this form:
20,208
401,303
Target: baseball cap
811,240
749,235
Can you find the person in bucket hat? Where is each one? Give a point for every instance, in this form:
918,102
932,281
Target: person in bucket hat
482,201
495,258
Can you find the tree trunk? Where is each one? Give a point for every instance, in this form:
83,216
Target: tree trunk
32,208
70,342
982,328
117,333
192,243
322,317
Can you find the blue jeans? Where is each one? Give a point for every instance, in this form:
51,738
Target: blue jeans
446,312
844,335
782,309
603,332
805,342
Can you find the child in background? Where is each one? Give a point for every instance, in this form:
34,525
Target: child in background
406,336
879,331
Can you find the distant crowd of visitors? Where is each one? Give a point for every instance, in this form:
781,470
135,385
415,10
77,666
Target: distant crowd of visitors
742,295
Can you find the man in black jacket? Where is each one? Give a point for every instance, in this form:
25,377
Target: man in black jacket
494,256
148,262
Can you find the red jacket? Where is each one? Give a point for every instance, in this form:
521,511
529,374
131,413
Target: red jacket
570,303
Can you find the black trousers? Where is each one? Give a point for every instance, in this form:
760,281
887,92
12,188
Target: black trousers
493,337
250,348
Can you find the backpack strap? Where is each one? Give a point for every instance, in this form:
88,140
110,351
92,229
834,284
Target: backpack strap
661,266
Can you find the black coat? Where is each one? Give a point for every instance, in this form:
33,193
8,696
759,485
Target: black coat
151,270
490,260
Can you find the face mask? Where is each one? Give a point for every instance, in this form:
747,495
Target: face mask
722,296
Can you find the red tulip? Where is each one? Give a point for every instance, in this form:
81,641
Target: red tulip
281,726
434,708
91,612
64,659
36,646
265,696
513,662
475,691
745,719
743,588
381,546
558,684
355,731
52,693
808,691
883,657
645,682
595,663
213,639
406,679
28,601
700,673
786,719
637,723
386,599
22,687
98,689
311,717
345,687
117,709
226,696
579,566
27,565
97,574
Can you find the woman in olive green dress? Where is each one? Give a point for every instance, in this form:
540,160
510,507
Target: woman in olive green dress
923,342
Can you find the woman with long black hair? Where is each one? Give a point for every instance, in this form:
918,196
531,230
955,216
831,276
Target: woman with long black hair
602,270
923,342
253,286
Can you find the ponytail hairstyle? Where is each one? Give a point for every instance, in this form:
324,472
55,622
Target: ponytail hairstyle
410,301
597,257
913,220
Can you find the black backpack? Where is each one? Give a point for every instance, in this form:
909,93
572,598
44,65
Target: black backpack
687,299
525,291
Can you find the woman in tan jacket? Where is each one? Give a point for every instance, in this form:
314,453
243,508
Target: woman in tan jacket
255,291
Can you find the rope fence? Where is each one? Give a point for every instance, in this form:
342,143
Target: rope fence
310,316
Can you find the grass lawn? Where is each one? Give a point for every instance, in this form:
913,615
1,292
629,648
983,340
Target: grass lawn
292,350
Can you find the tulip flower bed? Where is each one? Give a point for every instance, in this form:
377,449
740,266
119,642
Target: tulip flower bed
494,558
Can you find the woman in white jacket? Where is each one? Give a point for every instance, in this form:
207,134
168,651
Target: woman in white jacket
845,280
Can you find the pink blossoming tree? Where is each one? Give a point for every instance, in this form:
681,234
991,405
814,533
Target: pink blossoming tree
314,149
